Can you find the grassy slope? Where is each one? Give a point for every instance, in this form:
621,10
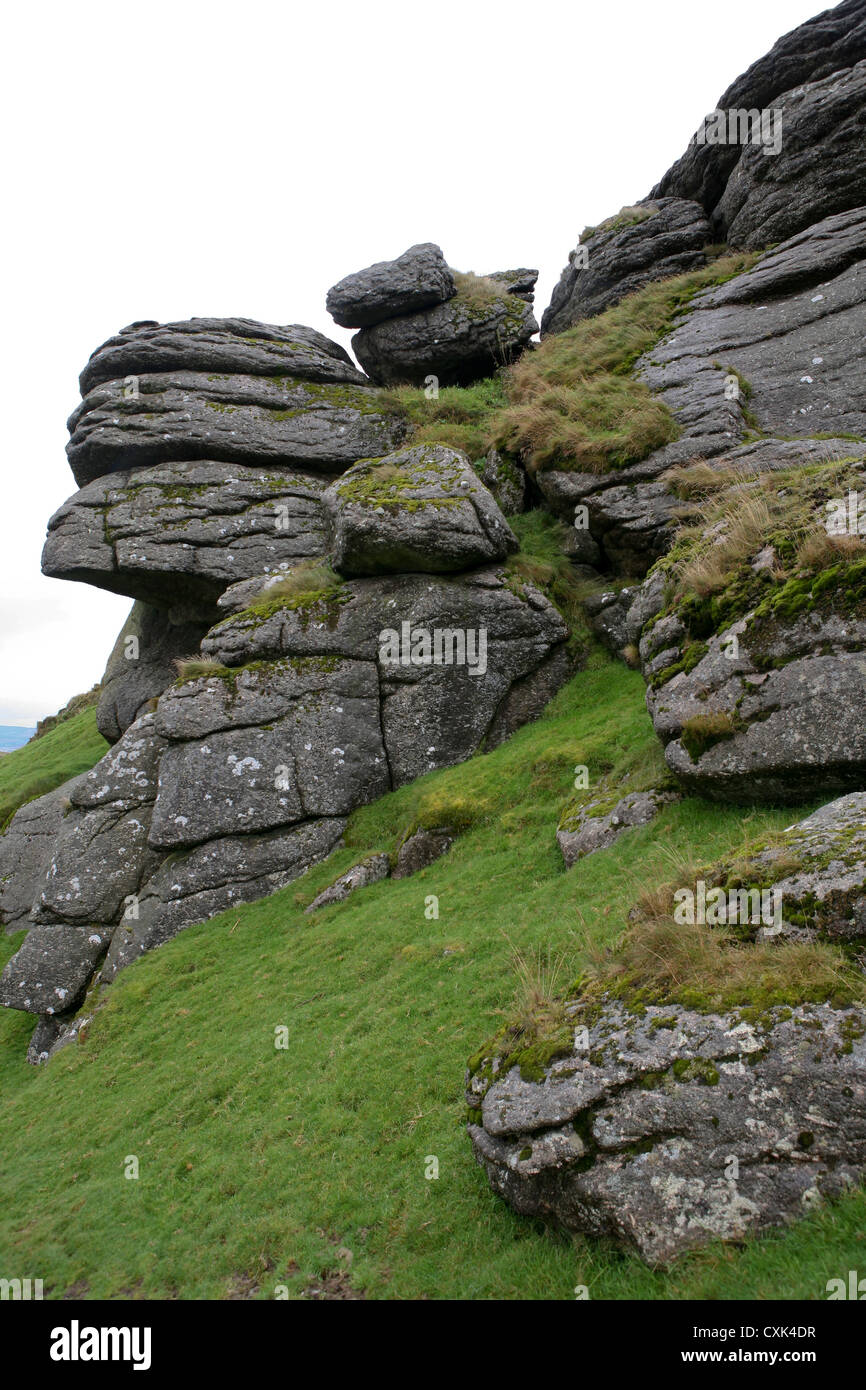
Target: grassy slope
65,751
261,1166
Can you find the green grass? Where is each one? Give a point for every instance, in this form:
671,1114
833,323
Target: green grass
459,416
65,751
262,1166
573,402
541,561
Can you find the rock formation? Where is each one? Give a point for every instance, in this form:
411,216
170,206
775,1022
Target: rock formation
421,319
647,242
814,76
327,605
206,452
663,1126
807,299
666,1115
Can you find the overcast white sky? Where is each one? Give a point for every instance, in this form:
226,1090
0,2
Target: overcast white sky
197,157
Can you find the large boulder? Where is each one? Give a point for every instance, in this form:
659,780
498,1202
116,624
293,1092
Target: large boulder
416,280
670,1128
230,347
664,1124
306,705
266,421
183,532
452,654
763,372
653,240
817,171
826,45
482,327
421,508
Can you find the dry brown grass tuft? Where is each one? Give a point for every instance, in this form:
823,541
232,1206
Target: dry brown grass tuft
742,530
819,549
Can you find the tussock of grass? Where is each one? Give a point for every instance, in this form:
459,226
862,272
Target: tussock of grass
819,549
628,216
312,576
702,731
711,574
191,668
709,968
592,425
478,291
574,404
741,534
700,479
459,416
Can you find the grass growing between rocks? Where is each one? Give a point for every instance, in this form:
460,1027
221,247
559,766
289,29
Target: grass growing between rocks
541,560
763,544
573,403
459,416
261,1166
65,751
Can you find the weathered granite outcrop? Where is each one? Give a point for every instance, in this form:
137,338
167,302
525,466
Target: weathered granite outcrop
482,327
461,660
416,280
243,775
421,508
26,847
183,532
753,372
282,422
756,675
673,1128
370,870
596,826
650,241
422,849
817,172
806,75
663,1127
229,347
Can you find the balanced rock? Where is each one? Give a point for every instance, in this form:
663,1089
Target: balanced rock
653,240
416,280
421,508
483,326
